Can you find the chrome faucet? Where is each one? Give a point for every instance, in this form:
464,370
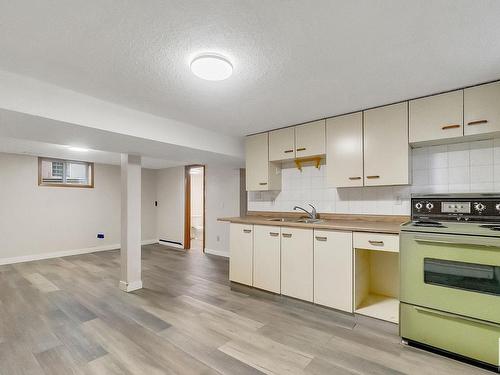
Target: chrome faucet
312,214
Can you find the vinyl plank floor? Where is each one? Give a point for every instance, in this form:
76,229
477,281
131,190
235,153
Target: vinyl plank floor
67,316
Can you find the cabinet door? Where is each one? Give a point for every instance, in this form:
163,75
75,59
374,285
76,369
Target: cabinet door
241,253
333,269
266,258
437,117
344,150
386,150
260,173
257,163
297,263
282,144
310,139
482,109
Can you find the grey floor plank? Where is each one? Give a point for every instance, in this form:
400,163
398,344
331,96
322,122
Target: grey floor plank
67,315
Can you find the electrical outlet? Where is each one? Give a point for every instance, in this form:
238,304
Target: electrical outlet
100,236
399,200
218,238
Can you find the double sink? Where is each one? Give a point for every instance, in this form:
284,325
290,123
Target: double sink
304,220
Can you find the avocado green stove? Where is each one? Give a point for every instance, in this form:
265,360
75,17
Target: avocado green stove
450,276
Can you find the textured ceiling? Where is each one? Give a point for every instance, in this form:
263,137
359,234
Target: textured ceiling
294,61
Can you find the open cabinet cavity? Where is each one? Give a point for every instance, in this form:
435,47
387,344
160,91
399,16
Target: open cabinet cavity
376,292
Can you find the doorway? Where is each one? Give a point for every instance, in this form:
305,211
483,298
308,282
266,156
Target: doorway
194,225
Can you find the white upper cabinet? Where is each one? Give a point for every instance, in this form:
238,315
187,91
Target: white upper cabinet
437,117
344,150
282,144
260,173
386,149
482,109
310,139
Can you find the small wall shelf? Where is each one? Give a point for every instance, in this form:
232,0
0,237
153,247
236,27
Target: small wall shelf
315,159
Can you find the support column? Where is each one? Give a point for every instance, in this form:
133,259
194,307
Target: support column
130,223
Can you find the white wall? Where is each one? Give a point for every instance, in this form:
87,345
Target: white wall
454,168
223,200
170,210
38,220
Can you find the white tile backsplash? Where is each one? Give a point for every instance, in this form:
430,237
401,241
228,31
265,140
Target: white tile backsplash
455,168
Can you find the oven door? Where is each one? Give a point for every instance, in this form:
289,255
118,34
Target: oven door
453,273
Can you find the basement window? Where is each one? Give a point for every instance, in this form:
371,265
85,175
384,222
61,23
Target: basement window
65,173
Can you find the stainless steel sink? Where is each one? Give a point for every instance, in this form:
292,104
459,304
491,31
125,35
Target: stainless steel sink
304,220
308,221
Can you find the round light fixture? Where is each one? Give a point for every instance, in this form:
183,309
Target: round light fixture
78,149
211,67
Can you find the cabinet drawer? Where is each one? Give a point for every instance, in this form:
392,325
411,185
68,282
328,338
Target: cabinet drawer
376,241
467,337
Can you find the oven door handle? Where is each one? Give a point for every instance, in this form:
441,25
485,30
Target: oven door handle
446,240
454,316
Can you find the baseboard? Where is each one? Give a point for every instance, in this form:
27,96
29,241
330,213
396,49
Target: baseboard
149,242
66,253
217,252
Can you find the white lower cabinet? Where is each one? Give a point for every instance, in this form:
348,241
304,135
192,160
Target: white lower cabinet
241,253
333,269
266,258
297,263
376,275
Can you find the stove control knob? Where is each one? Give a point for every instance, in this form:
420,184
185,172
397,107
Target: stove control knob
479,207
498,206
419,205
429,206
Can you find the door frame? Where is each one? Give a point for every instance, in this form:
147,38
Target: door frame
187,204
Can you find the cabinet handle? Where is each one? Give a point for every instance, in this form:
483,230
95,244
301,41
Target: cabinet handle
319,238
263,183
372,177
247,231
454,126
376,243
287,151
354,178
286,235
478,122
301,149
273,234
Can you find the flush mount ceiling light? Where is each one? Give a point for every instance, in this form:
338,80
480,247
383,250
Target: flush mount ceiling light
211,67
78,149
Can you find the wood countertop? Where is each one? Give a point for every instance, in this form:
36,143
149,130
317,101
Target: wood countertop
355,223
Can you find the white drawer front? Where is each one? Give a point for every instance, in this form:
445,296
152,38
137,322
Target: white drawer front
376,241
